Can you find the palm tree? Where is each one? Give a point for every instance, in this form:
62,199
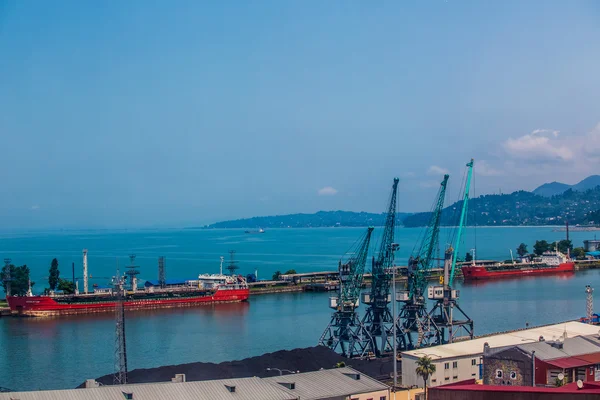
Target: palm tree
425,368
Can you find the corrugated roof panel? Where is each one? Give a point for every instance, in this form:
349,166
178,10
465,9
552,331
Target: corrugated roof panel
475,346
336,382
245,389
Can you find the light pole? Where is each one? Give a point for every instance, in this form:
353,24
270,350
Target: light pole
281,371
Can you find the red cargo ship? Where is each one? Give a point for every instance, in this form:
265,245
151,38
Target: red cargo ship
548,263
208,289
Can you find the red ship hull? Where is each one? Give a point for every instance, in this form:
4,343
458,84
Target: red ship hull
44,306
479,272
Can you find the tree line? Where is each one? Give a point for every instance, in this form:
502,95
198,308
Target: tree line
20,280
542,246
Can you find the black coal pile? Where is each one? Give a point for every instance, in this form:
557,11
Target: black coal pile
303,360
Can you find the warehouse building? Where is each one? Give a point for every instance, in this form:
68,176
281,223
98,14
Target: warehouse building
463,360
334,384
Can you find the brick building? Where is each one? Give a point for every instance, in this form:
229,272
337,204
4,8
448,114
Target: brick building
471,391
576,358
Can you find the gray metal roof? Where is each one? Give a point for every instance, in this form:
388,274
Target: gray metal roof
245,389
571,347
329,383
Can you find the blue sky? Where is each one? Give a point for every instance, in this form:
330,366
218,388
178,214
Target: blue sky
158,113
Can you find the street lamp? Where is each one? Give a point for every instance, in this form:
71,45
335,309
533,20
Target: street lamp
281,371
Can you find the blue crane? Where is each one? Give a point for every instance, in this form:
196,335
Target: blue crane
345,332
378,319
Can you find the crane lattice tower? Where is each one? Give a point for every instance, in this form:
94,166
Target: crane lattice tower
378,319
345,333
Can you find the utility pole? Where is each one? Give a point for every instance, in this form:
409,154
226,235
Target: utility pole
589,303
85,271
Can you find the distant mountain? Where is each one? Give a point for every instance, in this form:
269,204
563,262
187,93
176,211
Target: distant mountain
522,208
554,188
317,220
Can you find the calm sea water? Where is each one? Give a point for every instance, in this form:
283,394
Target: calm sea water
63,352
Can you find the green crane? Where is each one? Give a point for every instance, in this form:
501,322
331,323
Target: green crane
378,319
461,223
413,314
419,265
448,320
352,271
345,333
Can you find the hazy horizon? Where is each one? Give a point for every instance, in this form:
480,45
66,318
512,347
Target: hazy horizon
138,114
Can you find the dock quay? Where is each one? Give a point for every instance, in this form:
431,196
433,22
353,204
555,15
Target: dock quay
5,312
323,281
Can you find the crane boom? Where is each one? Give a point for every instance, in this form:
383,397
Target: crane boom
385,257
417,266
352,271
461,223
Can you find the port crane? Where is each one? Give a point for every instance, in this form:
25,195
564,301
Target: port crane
345,333
448,318
413,317
378,319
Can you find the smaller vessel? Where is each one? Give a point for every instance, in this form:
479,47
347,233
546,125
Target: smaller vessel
551,262
261,230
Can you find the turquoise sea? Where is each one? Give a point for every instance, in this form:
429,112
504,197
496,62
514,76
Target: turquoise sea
63,352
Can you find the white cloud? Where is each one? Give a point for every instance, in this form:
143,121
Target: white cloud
540,145
549,155
327,191
435,170
35,207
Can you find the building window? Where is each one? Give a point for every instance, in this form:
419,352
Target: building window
513,375
499,374
447,378
446,365
434,380
455,377
382,398
474,361
455,364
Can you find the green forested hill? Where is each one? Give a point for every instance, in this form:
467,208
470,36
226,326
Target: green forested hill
316,220
522,208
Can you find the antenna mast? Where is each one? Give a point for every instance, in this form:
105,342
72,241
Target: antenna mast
132,273
232,267
161,272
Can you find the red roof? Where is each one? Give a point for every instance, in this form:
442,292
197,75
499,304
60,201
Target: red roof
588,388
575,361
